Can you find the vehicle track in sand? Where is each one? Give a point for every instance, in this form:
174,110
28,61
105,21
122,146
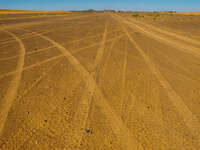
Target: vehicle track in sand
180,37
20,132
31,66
100,51
43,49
45,73
31,35
123,87
81,115
54,57
28,24
188,73
119,128
108,57
6,102
29,88
115,94
189,118
182,47
25,36
44,15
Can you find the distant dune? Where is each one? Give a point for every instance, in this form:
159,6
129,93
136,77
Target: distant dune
189,13
6,11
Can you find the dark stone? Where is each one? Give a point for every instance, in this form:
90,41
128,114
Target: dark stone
88,131
148,107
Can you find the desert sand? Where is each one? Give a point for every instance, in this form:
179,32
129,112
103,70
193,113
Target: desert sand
100,81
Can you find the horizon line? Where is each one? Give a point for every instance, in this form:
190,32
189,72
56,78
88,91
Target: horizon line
147,10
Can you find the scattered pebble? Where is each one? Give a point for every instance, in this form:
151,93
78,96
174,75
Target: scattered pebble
88,131
148,107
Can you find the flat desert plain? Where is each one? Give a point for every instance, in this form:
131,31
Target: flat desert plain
99,81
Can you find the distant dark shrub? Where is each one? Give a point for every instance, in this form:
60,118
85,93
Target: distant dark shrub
135,15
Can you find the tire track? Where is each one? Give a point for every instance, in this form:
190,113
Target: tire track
181,37
27,24
186,76
190,119
32,66
55,57
7,101
39,79
182,47
43,49
26,36
69,18
108,57
123,90
31,35
28,89
81,116
178,47
131,106
27,54
100,51
116,123
37,16
19,97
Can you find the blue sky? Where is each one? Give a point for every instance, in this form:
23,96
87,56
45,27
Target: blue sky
136,5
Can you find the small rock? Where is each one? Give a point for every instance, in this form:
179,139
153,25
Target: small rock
148,107
87,131
28,112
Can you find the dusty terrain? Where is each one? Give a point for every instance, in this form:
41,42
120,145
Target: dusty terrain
100,81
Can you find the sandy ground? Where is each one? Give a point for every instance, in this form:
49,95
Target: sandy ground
100,81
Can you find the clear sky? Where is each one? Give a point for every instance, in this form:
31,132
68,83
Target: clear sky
135,5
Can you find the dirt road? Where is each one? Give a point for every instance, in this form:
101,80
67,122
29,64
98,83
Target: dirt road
98,81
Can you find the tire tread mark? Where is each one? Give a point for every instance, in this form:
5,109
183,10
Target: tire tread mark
31,35
108,57
19,97
182,47
55,57
81,115
116,123
31,66
181,37
100,51
43,49
7,101
190,119
123,90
